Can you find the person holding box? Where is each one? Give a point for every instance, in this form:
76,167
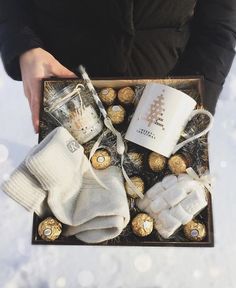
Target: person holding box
117,38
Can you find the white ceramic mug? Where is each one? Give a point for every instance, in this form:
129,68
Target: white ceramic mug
161,116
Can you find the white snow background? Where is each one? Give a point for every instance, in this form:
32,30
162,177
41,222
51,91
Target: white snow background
23,265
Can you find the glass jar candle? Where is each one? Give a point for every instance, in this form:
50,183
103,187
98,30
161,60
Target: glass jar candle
74,108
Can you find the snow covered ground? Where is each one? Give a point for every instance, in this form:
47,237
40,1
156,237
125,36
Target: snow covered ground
25,266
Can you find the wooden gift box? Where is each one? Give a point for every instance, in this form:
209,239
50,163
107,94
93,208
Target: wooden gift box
195,86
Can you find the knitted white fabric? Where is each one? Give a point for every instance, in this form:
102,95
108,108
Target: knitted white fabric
56,176
101,213
52,169
173,202
58,164
26,190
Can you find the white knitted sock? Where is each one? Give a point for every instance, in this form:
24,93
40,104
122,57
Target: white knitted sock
101,214
58,163
26,190
57,171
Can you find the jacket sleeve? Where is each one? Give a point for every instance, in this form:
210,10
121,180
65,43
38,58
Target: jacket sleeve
211,47
16,34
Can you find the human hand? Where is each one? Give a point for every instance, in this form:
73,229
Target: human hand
36,64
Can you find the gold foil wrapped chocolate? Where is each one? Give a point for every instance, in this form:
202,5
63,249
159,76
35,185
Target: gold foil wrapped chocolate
49,229
116,114
139,184
156,162
107,95
126,95
178,163
195,231
101,159
142,225
136,158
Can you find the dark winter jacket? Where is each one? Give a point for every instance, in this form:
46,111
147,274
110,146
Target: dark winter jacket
125,37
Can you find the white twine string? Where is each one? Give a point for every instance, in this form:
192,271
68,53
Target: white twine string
205,179
121,150
120,146
57,102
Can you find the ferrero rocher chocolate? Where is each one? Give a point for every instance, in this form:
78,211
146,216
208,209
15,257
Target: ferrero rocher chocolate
126,95
107,95
142,225
178,163
136,158
195,231
49,229
139,184
101,159
156,162
116,114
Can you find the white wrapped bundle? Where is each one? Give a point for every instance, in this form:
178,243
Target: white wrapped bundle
173,202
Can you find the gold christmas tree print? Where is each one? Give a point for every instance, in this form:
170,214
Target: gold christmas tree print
155,113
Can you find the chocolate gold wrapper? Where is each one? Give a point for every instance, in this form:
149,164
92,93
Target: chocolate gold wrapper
101,159
179,163
138,182
49,229
136,158
142,225
195,231
107,95
126,95
116,113
156,162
